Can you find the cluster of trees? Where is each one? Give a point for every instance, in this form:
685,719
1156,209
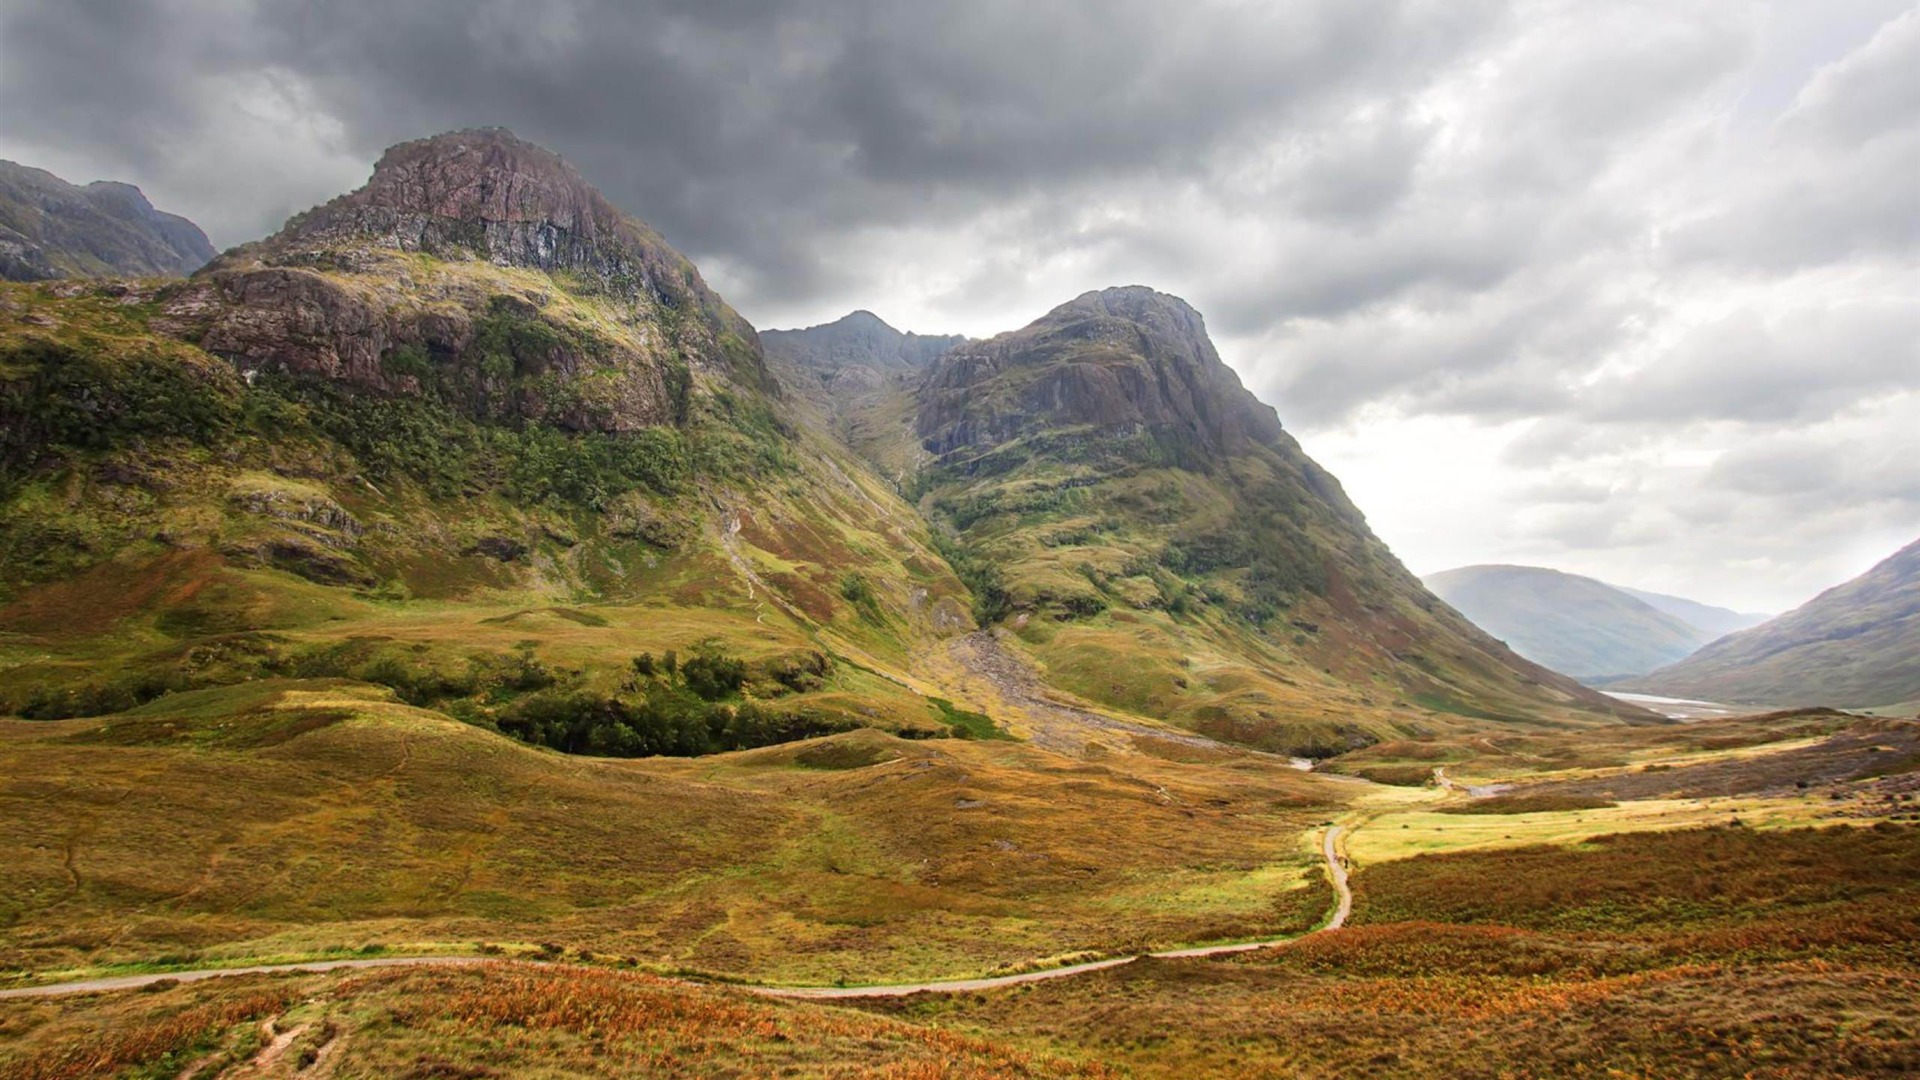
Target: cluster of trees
669,706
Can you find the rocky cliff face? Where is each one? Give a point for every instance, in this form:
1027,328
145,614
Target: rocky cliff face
1120,362
489,195
852,369
536,298
52,229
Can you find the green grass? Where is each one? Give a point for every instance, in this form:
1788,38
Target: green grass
968,725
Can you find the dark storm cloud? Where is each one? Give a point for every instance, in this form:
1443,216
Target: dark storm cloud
761,132
1614,249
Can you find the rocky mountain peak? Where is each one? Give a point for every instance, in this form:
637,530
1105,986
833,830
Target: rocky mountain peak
52,229
611,340
1122,361
487,176
486,193
1161,313
859,339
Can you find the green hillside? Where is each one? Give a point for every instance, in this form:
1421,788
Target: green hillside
1857,645
1143,524
476,435
422,439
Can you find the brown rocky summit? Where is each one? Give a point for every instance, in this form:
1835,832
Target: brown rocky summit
339,294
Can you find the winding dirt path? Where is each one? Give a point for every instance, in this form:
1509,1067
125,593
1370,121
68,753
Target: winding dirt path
131,982
1336,873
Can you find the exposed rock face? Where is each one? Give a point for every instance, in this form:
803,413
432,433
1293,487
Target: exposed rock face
843,367
490,195
335,295
1120,361
52,229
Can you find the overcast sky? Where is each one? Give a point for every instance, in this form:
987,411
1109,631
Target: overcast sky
1627,288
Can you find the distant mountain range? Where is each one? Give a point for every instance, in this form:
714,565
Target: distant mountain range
1854,646
857,340
52,229
1717,621
1578,625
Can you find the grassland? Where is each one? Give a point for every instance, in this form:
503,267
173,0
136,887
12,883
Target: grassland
504,1020
1649,938
290,818
1716,952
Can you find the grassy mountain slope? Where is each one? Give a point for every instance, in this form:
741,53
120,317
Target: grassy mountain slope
1151,534
52,229
1569,623
471,391
1855,645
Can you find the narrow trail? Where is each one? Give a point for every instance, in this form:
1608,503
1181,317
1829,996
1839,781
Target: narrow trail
1336,873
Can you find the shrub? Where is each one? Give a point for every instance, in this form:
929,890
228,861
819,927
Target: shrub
713,675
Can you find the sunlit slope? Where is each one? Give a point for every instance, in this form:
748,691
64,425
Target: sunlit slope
424,400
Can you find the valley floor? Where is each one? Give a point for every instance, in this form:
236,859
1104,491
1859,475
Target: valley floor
1730,898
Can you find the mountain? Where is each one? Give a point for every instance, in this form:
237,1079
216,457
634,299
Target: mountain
861,340
1714,621
52,229
854,377
411,439
1586,628
1856,645
1144,524
474,434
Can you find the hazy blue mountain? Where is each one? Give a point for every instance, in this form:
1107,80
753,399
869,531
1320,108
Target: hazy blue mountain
1717,621
1572,624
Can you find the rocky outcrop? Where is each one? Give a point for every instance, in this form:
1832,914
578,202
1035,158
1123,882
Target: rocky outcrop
52,229
339,294
489,195
1121,361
